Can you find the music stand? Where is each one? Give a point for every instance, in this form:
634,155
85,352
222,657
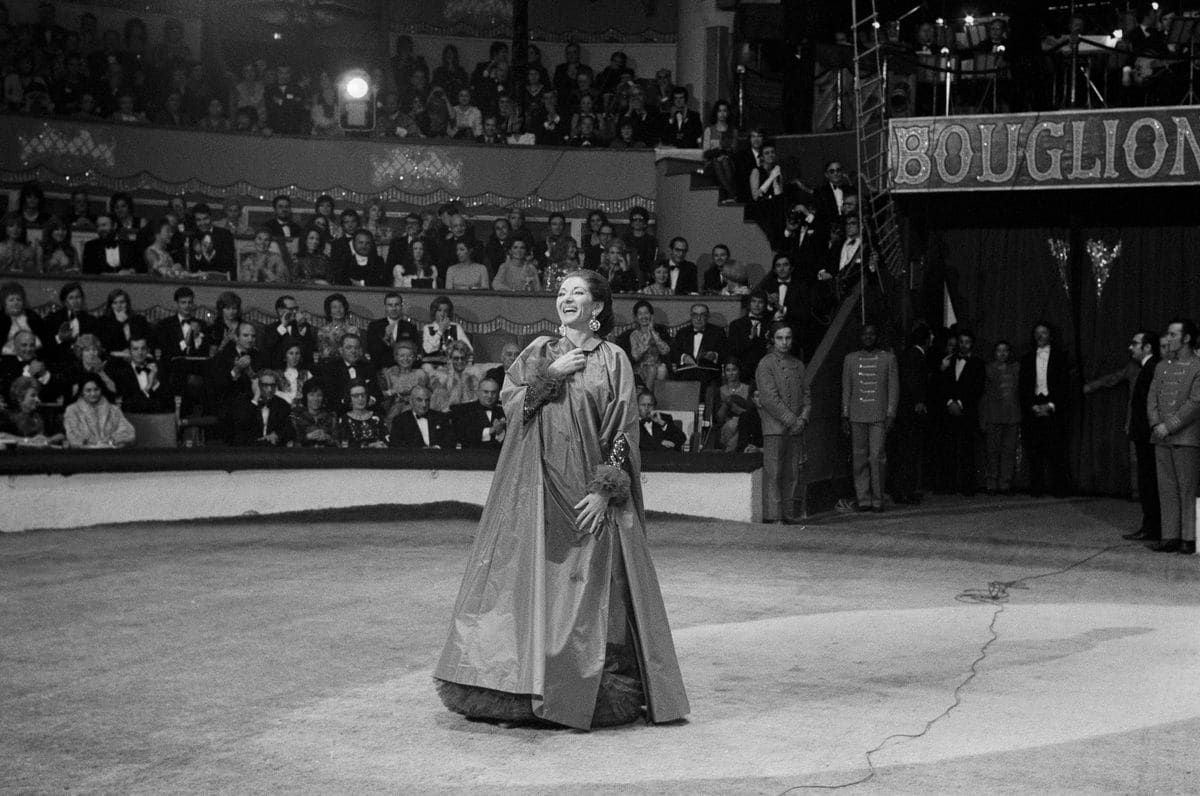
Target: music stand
1181,32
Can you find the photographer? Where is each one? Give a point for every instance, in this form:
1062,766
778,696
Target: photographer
293,327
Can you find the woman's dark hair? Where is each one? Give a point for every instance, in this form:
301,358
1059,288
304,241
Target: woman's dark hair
601,291
19,220
643,303
601,213
302,249
113,296
450,49
324,199
49,245
355,383
332,297
12,289
89,378
120,196
67,289
31,189
162,222
712,114
732,360
229,299
311,386
438,302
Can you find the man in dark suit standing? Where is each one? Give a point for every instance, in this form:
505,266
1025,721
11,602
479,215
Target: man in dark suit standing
419,426
749,336
263,422
348,367
137,379
790,300
291,328
696,349
684,276
909,437
962,379
384,332
282,226
1139,375
481,423
658,432
69,322
107,254
827,201
217,250
233,369
181,347
1045,395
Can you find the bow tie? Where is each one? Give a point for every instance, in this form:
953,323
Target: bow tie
961,357
262,404
113,245
674,267
785,283
142,369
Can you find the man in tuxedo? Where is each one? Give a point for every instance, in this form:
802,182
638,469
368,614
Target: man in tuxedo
747,160
291,327
348,367
696,349
25,362
363,266
341,250
790,298
481,423
69,322
217,250
137,379
400,246
1045,393
233,369
286,103
108,254
508,355
749,336
384,332
646,123
460,232
909,438
282,226
684,278
641,246
420,426
827,199
962,380
799,240
263,422
657,432
181,348
681,127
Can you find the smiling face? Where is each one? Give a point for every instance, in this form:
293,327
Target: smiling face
575,304
29,400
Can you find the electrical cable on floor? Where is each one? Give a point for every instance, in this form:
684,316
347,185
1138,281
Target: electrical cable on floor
997,594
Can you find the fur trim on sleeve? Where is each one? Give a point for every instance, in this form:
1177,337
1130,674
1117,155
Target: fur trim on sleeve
612,482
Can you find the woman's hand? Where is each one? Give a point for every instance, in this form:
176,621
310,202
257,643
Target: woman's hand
568,363
591,512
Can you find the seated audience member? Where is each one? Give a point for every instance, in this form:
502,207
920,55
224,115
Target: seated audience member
660,282
732,405
25,362
361,426
16,255
495,251
79,214
466,121
619,268
292,327
481,423
458,231
294,373
696,349
265,421
24,421
508,355
440,332
683,271
466,274
517,273
363,266
218,253
234,368
452,383
747,341
120,324
348,367
56,254
383,333
87,357
93,422
313,425
657,431
158,258
125,219
626,137
282,226
400,246
492,132
419,426
225,328
312,264
233,219
396,382
262,264
69,322
726,276
108,253
588,135
418,265
641,245
681,127
548,125
646,123
137,381
644,334
650,370
517,231
718,143
338,324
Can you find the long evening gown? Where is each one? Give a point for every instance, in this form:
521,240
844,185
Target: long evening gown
553,623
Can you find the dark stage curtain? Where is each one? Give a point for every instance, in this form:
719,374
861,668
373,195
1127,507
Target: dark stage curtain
1003,279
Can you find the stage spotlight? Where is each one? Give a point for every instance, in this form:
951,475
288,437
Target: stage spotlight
356,101
970,20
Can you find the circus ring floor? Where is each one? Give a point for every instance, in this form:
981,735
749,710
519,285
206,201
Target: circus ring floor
294,654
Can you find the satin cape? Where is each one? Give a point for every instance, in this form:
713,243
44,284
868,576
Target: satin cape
532,614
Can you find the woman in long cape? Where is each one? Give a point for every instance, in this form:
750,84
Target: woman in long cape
560,618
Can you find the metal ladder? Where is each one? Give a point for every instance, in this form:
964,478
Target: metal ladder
876,205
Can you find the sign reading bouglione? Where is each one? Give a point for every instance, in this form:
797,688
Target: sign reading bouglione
1066,149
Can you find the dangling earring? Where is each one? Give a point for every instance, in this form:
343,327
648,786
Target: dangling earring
594,324
562,330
